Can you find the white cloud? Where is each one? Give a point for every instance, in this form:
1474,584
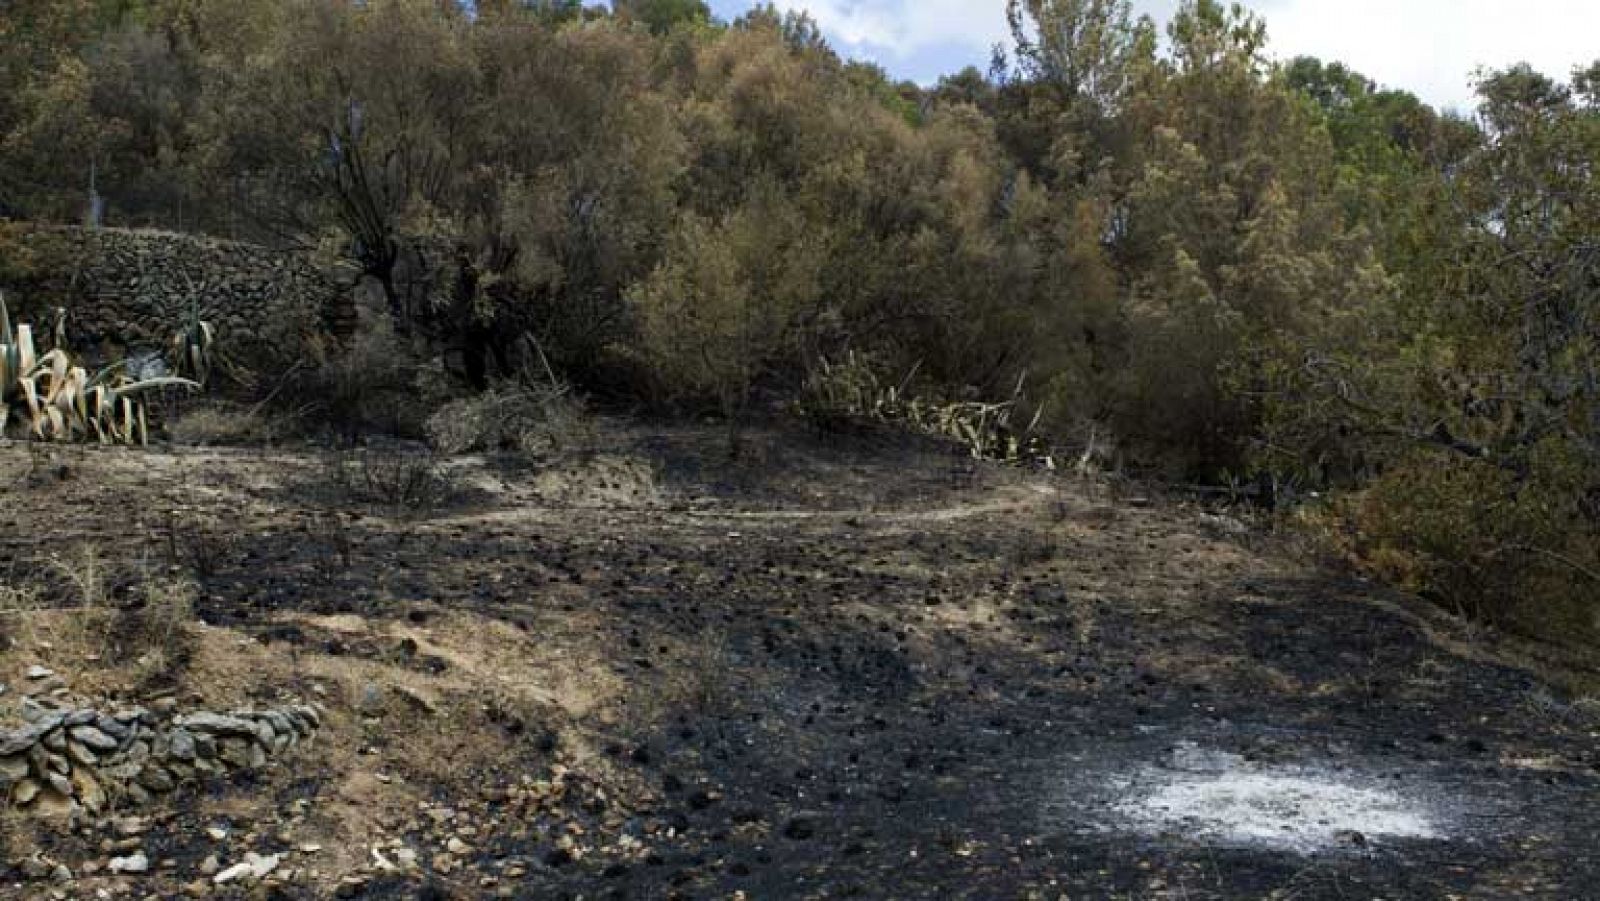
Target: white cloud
1430,47
899,29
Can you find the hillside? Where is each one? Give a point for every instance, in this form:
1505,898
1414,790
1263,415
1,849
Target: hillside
862,667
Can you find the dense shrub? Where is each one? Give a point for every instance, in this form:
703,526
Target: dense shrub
1228,269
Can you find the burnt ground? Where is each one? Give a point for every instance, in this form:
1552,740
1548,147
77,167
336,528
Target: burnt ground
870,669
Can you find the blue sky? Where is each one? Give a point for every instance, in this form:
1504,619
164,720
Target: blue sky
1430,47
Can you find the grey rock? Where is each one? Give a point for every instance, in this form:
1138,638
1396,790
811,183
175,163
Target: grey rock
82,754
33,712
218,724
20,740
13,768
156,779
78,718
60,783
112,727
92,737
181,744
55,740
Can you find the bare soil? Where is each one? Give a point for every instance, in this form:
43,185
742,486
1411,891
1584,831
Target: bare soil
853,668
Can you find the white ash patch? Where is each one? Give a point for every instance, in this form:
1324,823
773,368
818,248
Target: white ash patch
1227,800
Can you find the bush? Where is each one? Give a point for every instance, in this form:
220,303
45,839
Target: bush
511,417
1515,549
375,385
397,479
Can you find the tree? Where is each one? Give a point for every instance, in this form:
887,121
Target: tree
727,301
662,16
1085,49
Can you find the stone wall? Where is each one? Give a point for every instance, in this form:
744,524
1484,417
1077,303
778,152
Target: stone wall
127,289
65,762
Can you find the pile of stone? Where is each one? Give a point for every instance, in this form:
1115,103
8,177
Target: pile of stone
135,288
62,762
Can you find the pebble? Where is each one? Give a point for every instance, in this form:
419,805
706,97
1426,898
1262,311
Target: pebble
133,863
37,672
256,866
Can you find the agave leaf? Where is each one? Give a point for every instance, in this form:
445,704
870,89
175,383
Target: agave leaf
105,373
25,348
122,391
7,336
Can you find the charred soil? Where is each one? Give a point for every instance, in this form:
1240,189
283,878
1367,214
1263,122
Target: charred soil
871,669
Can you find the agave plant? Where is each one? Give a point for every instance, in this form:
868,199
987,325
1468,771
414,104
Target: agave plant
193,348
16,359
62,401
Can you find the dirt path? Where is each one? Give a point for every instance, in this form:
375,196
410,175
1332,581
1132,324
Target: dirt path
873,674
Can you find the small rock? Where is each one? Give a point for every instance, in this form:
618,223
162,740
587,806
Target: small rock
232,873
34,712
88,789
24,792
156,779
60,783
37,672
370,703
82,754
255,866
133,863
54,804
457,847
92,738
180,744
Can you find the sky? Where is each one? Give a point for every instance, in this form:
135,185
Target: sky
1428,47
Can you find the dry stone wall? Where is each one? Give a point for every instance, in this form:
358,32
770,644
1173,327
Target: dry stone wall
66,762
127,289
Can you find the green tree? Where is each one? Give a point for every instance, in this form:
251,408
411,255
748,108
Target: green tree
662,16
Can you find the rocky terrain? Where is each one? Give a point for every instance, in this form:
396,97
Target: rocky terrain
866,668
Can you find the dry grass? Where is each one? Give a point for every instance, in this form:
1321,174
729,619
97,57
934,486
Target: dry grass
513,417
144,641
221,424
36,629
155,633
